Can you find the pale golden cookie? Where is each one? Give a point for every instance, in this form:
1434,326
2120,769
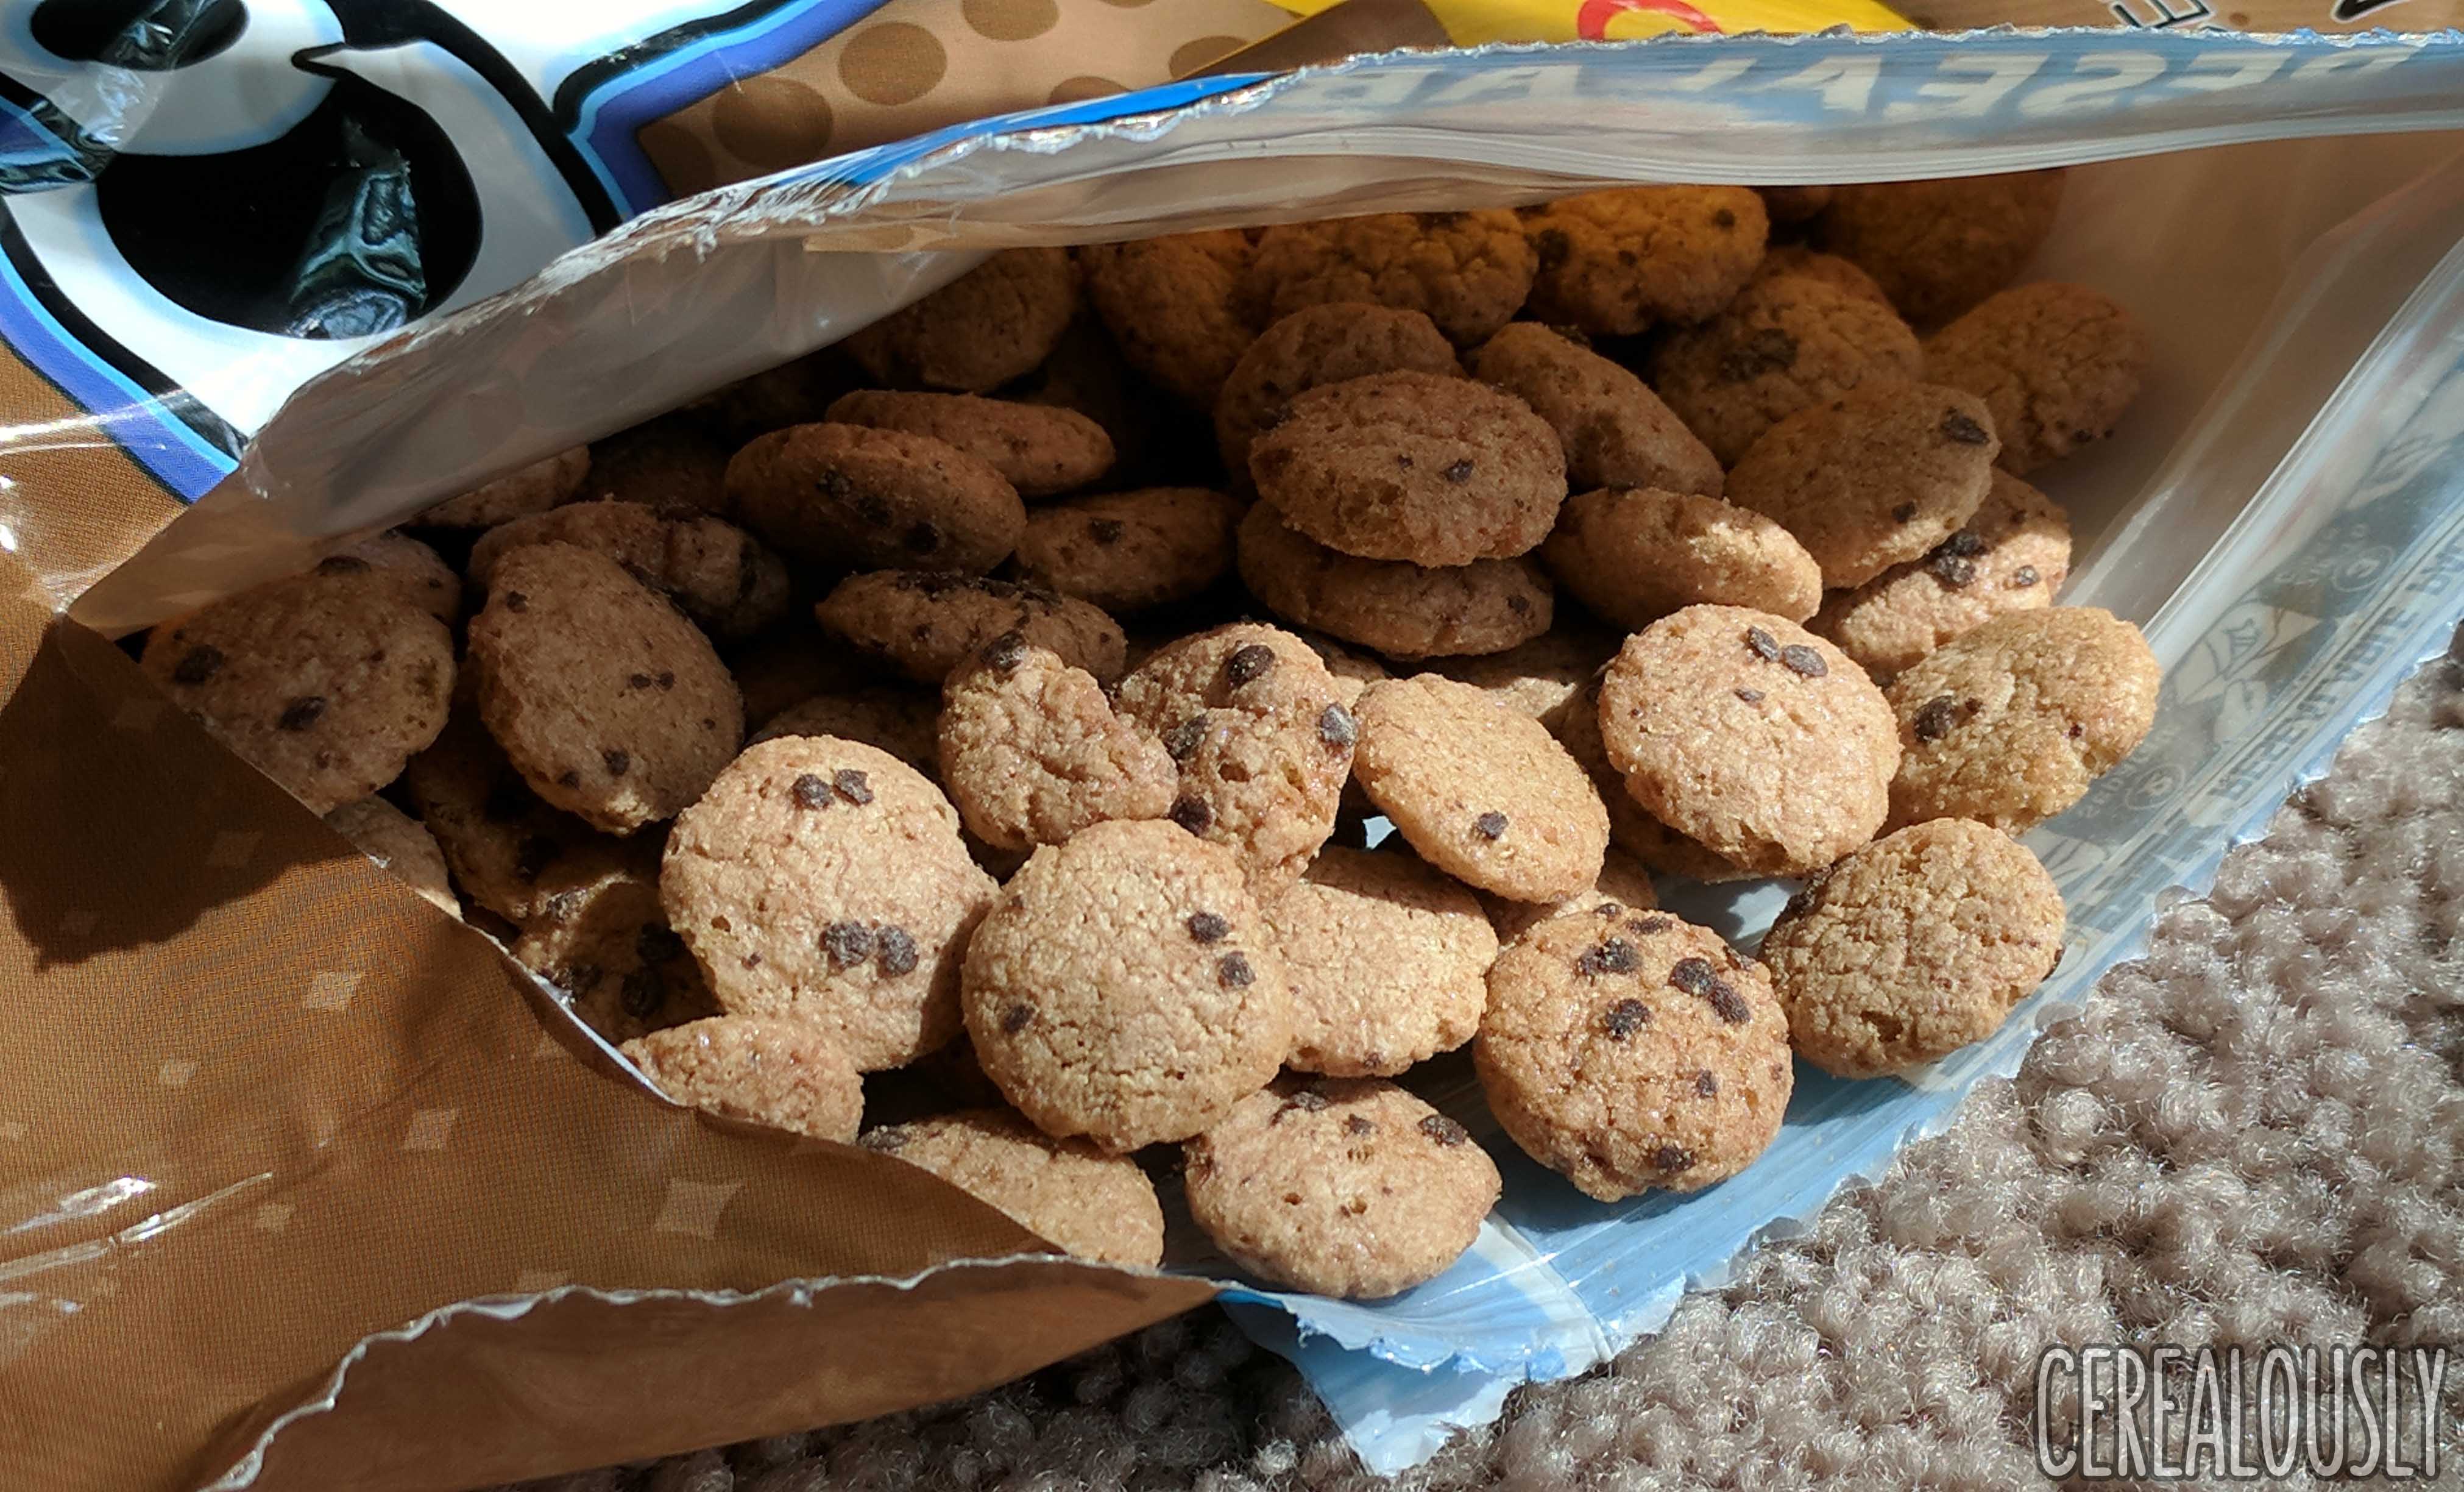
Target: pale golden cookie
535,488
1400,610
1468,272
1633,556
1388,960
1615,262
2058,365
1067,1192
1316,345
1032,753
1786,344
1939,247
399,843
2012,556
778,1073
1614,431
923,622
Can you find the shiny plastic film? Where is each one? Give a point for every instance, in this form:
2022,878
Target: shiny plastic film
429,1231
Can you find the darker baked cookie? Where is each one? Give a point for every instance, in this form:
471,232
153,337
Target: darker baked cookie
1175,306
1039,449
1785,344
1400,610
991,325
399,843
848,495
326,684
1413,466
406,566
600,938
2058,365
1615,262
1796,262
674,460
1614,431
792,393
1315,345
922,623
1633,555
1794,204
1031,751
1127,551
612,705
509,852
1067,1192
530,489
2012,556
1939,247
1468,272
719,574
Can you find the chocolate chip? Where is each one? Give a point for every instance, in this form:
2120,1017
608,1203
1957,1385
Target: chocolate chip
340,565
533,856
1904,512
302,712
848,943
1233,972
1765,350
1750,695
1957,426
1004,653
1459,473
644,992
1248,663
1192,815
1489,825
851,785
575,978
637,680
1697,977
1309,1100
667,679
1672,1158
1185,738
1208,927
921,539
1706,1085
1336,728
198,664
1724,219
1966,544
888,1140
1446,1132
561,906
1951,569
617,760
1803,661
516,601
1402,462
1550,245
811,791
1360,1125
2023,577
2076,730
1647,926
1935,717
1106,531
1517,603
895,948
1624,1019
1017,1019
657,944
1765,646
752,961
1613,956
570,777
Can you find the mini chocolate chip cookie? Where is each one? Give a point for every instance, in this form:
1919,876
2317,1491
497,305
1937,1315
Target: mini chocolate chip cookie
408,567
1032,753
1874,478
1538,678
1039,449
1633,555
1316,345
1796,262
1466,272
1177,307
1403,611
612,705
2010,557
1613,429
823,881
1251,717
1622,885
1939,247
598,935
2058,365
399,843
791,664
1346,1188
715,572
1794,204
1749,734
1784,345
923,622
1632,1050
1615,262
323,683
2009,723
899,718
1067,1192
991,325
793,394
1389,961
509,852
1411,466
1128,551
1912,947
778,1072
674,460
1087,375
1123,986
1484,794
535,488
841,494
1631,828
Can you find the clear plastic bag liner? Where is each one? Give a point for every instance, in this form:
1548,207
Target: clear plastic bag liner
2280,512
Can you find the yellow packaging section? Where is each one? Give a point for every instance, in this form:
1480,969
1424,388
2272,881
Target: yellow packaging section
1470,23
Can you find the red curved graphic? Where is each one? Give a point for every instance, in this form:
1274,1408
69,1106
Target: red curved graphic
1592,20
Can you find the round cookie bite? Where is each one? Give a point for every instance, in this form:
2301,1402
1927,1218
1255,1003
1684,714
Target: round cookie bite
1797,261
1632,1050
399,843
1538,678
326,684
1785,344
1065,1191
1752,736
1631,828
1622,885
509,852
1633,555
408,567
924,622
609,703
2010,557
1314,347
1484,794
1794,204
1032,752
2058,365
671,460
1403,611
1939,247
721,576
849,495
1466,272
778,1072
1874,478
600,936
978,332
1250,717
1123,988
535,488
899,718
1039,449
1127,551
2009,723
1388,958
1176,307
1614,431
1347,1187
1413,466
823,881
1614,262
1912,947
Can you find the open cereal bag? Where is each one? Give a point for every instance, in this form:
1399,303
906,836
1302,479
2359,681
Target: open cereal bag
325,1189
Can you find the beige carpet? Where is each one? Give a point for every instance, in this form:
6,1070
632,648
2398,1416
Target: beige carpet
2254,1134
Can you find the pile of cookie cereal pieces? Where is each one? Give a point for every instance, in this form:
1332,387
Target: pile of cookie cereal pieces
1085,614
